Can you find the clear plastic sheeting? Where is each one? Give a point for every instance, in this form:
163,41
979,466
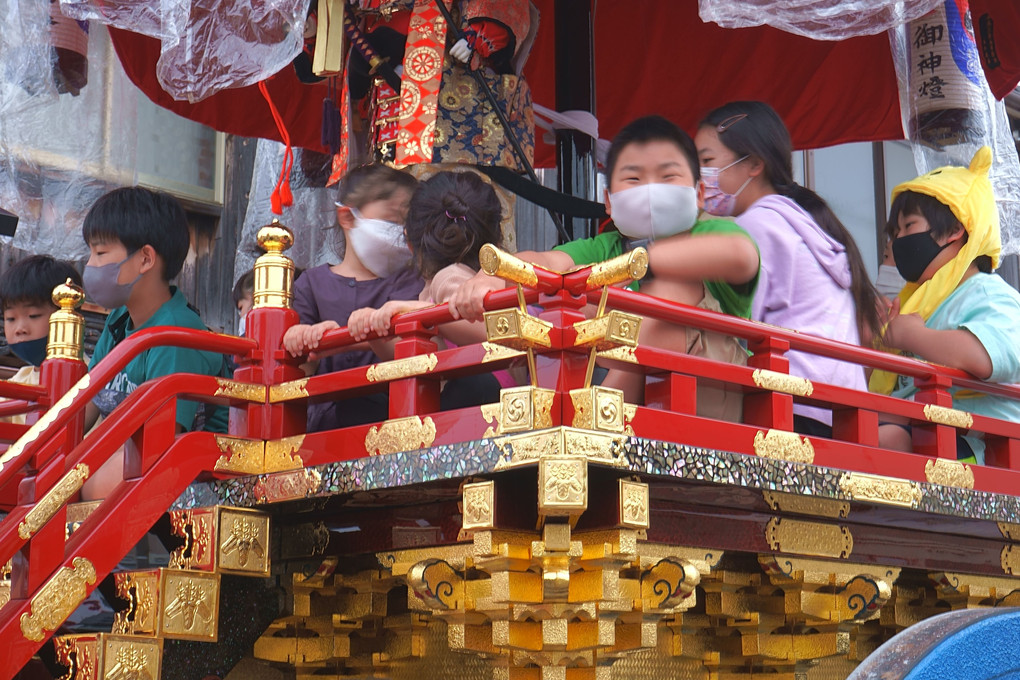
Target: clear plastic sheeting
949,112
816,19
207,45
312,217
58,154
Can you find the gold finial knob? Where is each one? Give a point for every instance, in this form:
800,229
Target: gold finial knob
68,295
275,237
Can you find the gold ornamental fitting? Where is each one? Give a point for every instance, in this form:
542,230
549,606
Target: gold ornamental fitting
496,262
274,271
67,326
626,267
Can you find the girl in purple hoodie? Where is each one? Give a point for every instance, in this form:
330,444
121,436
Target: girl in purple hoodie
812,277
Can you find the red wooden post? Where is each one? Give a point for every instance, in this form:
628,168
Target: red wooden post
932,439
767,408
416,395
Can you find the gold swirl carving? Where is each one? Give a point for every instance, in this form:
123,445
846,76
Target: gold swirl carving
402,368
598,408
496,262
479,505
809,538
288,391
494,352
626,267
524,408
44,422
669,584
782,382
948,416
885,490
437,583
54,499
58,597
516,329
400,434
949,473
782,445
620,354
281,454
240,390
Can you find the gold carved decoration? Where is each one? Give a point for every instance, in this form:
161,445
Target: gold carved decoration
197,527
530,447
562,486
44,422
240,390
288,391
246,456
948,416
400,434
831,592
516,329
274,271
615,329
1010,559
402,368
243,542
782,445
626,267
496,262
78,654
129,658
494,352
809,538
782,382
479,507
523,409
282,454
949,473
620,354
55,498
634,506
806,505
669,584
977,589
191,605
141,590
877,489
58,597
598,408
437,584
67,326
1009,531
288,486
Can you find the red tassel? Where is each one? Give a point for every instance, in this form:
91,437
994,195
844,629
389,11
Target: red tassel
282,196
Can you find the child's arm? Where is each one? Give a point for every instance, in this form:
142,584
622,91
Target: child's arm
302,337
366,320
957,348
732,258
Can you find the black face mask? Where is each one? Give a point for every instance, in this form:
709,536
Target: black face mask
914,253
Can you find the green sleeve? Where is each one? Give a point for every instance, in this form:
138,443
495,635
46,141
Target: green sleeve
160,361
591,250
733,300
103,346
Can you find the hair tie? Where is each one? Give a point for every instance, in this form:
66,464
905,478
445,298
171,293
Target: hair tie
455,218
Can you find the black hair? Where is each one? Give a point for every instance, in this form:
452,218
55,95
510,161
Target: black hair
137,217
752,128
32,280
941,220
652,129
452,215
245,286
374,182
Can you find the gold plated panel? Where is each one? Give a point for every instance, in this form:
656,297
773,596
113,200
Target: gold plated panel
782,382
282,454
141,590
620,354
598,408
129,658
198,529
494,352
562,486
524,409
885,490
626,267
243,541
809,538
240,390
1010,559
782,445
190,608
78,654
634,506
530,447
614,329
57,598
949,473
288,391
402,368
948,416
54,499
806,505
479,507
246,456
400,434
517,329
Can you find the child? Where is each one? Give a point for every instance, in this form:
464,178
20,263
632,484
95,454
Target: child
953,311
26,290
244,298
452,215
138,240
653,171
371,210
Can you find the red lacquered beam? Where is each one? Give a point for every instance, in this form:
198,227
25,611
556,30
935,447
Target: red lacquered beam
17,407
12,390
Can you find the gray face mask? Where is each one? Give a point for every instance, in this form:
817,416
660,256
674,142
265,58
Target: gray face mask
101,284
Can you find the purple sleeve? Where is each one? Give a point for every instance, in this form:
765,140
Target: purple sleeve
772,234
406,285
304,299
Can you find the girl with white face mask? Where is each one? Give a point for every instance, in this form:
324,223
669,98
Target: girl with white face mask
375,267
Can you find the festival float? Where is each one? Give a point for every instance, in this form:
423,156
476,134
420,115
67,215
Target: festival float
559,533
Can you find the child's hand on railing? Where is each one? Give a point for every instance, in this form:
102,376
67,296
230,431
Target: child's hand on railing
300,339
368,320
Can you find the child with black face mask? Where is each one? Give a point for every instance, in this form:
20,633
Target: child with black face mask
953,310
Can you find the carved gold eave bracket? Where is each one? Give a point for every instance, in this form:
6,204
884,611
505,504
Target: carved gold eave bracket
257,456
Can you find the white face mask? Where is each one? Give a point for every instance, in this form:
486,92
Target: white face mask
889,282
654,210
379,244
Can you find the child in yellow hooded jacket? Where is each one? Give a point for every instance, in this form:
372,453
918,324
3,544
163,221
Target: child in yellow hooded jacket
953,311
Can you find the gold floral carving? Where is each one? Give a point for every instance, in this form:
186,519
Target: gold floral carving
782,382
192,602
243,541
562,486
288,486
877,489
129,658
806,505
809,538
78,654
479,505
141,590
669,584
282,454
197,528
494,352
620,354
782,445
634,508
400,434
437,583
402,368
246,456
55,498
288,391
44,422
241,390
561,442
948,416
949,473
496,262
58,597
626,267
